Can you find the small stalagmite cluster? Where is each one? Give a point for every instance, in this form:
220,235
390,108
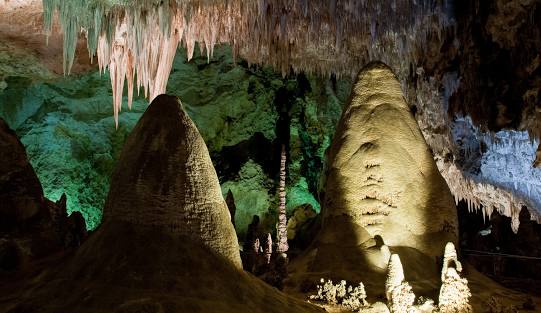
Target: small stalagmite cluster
454,295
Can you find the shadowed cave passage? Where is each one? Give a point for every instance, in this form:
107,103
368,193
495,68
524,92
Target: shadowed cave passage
491,246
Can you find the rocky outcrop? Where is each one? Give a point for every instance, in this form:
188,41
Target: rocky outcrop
165,178
31,226
21,195
381,175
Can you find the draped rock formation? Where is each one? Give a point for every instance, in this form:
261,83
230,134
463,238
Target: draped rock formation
166,179
381,176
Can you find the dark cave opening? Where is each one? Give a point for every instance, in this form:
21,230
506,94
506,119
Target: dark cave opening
491,246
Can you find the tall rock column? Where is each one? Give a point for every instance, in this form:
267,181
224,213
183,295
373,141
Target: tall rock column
381,175
282,217
165,178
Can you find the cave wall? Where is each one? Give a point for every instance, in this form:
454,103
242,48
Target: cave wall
243,112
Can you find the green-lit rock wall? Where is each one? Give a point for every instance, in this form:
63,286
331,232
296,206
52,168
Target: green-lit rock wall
244,113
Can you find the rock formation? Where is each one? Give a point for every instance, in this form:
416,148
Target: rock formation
230,201
381,175
166,179
31,226
21,195
281,226
267,250
454,292
398,291
161,248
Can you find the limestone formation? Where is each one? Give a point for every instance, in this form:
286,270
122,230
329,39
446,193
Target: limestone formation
281,227
454,293
31,226
381,176
398,292
395,275
166,179
21,195
450,258
230,201
267,250
317,36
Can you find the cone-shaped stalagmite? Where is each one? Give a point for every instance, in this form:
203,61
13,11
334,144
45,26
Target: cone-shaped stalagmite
165,178
381,176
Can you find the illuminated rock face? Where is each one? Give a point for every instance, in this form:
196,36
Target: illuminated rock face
166,179
381,175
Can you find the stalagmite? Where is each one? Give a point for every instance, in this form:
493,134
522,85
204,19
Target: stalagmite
450,258
268,249
395,275
384,179
281,227
398,292
166,180
454,292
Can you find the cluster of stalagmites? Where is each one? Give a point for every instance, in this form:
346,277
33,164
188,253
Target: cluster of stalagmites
137,39
259,258
454,292
453,297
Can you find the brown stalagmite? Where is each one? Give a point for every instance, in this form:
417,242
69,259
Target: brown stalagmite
381,176
165,178
268,249
21,195
230,201
281,227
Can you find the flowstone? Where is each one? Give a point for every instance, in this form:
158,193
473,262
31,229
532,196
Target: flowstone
381,175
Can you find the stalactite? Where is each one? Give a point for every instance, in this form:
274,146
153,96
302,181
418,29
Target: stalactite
311,36
479,192
281,227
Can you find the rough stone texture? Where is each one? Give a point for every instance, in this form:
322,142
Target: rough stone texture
165,178
381,174
21,195
230,201
31,226
133,268
67,127
454,293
